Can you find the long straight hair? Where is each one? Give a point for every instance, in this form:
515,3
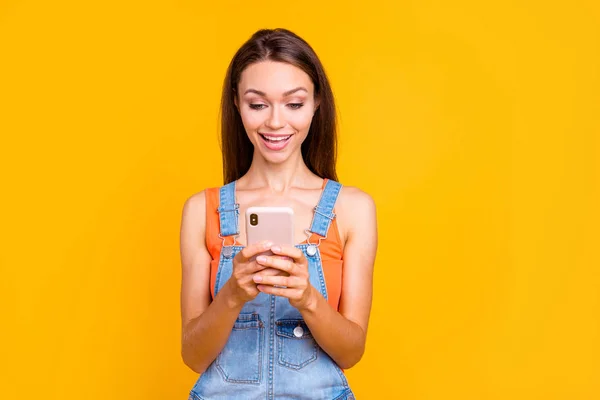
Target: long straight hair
319,149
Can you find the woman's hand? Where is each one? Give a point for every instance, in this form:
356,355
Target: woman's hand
241,285
295,285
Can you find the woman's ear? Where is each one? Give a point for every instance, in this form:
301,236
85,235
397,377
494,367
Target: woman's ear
317,103
235,100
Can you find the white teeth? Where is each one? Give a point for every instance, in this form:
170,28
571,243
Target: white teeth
276,138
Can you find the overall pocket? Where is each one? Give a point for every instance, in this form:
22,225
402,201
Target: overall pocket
296,346
240,359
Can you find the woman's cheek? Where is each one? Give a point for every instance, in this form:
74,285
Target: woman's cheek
301,121
251,120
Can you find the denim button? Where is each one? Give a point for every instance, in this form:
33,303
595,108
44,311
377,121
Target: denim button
227,252
311,250
298,331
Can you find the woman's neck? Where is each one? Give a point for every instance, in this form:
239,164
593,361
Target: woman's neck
278,178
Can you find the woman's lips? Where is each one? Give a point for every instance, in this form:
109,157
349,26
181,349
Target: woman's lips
275,143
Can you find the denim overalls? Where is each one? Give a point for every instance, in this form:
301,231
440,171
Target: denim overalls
270,353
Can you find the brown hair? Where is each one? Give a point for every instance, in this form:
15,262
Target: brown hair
319,149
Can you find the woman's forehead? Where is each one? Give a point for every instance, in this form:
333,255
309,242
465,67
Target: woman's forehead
274,79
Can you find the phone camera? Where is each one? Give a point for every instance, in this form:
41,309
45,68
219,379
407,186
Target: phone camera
253,219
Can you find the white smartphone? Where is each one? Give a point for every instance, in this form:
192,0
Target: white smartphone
270,223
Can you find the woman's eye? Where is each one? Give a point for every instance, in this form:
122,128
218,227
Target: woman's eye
257,106
295,106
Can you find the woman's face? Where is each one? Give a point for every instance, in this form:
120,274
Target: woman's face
276,103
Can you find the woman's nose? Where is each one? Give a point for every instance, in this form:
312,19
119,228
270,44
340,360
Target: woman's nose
275,121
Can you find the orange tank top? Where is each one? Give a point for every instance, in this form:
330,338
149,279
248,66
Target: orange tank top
331,249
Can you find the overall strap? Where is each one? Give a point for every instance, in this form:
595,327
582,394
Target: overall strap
324,210
228,211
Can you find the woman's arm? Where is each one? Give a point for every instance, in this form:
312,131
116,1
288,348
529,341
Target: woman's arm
205,325
341,334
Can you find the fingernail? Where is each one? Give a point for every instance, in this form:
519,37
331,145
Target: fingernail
276,249
268,245
261,258
257,278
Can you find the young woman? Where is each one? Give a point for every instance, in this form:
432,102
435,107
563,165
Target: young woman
283,326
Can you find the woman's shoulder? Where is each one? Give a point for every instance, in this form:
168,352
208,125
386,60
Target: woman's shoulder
197,202
355,210
353,198
194,207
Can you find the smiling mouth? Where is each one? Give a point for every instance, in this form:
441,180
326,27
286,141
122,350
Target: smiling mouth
275,139
275,143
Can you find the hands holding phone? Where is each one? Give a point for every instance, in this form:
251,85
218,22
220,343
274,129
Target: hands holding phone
283,274
294,283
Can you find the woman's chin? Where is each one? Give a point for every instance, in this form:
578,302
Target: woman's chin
271,157
274,155
276,158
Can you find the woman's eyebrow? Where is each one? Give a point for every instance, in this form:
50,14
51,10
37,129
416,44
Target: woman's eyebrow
294,91
258,92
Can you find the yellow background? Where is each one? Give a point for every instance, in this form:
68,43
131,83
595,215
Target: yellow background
474,125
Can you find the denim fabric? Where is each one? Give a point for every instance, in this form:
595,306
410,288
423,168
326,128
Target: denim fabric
270,353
